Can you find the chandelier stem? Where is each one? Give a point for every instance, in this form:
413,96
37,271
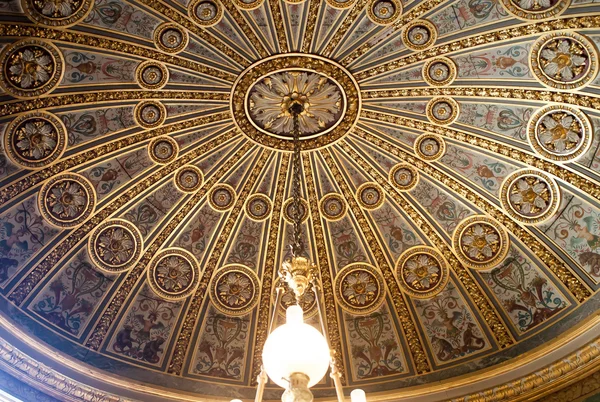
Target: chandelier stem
297,245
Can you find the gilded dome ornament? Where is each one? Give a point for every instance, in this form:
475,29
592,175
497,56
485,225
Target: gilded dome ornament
173,274
440,71
480,242
151,75
370,195
205,12
430,147
419,35
262,94
115,246
530,196
536,9
422,272
341,4
234,290
258,207
560,133
221,197
57,13
150,114
67,200
564,60
31,68
404,176
170,38
248,4
308,302
35,140
189,179
442,110
333,206
163,150
384,12
288,210
359,288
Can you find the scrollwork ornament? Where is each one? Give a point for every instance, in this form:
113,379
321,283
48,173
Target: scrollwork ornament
359,288
341,4
480,242
422,272
173,274
404,176
440,71
259,207
150,113
205,12
333,206
560,133
31,68
62,13
530,196
163,150
442,110
384,12
370,195
35,140
419,35
222,197
170,38
564,60
115,246
189,179
288,210
151,75
234,290
430,147
67,200
535,9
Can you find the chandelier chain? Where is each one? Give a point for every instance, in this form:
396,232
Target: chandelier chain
297,245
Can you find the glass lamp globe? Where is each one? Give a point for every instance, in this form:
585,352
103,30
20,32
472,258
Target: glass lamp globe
295,347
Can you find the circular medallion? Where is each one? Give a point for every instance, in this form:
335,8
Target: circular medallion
560,133
205,12
422,272
480,242
189,179
384,12
62,13
288,210
115,246
248,4
258,207
535,9
151,75
35,140
439,72
234,290
359,288
31,68
564,60
163,150
430,147
370,195
150,114
308,302
419,35
222,197
530,196
333,206
404,176
66,200
170,38
442,110
340,4
174,274
327,93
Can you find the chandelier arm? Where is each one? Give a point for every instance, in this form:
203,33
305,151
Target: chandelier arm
278,292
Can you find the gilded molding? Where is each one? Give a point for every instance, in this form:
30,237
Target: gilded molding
309,33
473,42
489,314
110,313
275,6
415,344
586,387
61,35
191,317
354,13
570,280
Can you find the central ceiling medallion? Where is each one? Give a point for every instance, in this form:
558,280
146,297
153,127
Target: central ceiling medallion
262,95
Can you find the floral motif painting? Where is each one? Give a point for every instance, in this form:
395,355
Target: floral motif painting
346,245
509,61
524,291
450,326
86,67
375,345
148,213
88,124
467,14
121,16
397,234
222,346
507,120
146,328
245,248
198,233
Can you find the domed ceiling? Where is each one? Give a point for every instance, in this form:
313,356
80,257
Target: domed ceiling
450,181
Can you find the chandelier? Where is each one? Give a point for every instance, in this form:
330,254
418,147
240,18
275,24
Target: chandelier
296,355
